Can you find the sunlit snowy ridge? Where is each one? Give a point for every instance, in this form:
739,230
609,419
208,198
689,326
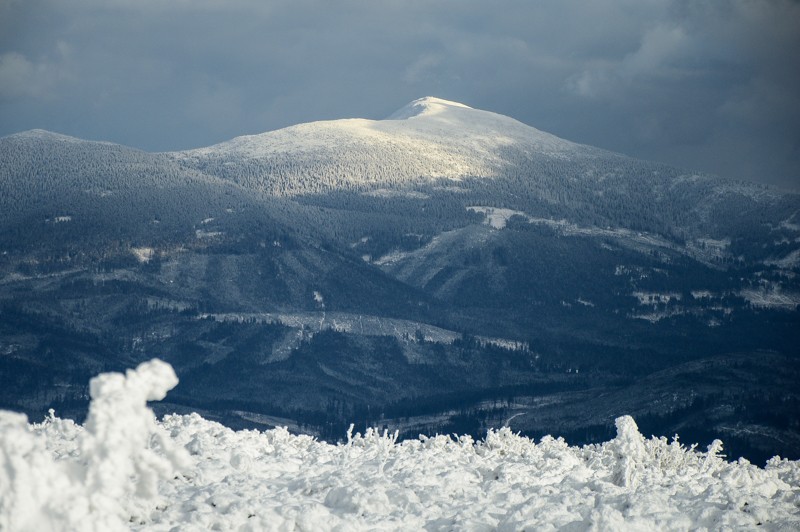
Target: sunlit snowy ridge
123,469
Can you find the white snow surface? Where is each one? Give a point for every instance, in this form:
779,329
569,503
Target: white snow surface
428,139
427,106
124,470
771,297
497,218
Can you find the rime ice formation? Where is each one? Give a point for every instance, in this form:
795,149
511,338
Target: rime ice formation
60,476
125,470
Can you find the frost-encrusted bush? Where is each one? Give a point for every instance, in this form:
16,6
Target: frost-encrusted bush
125,470
99,477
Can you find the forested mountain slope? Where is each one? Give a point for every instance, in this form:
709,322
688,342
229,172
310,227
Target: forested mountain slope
444,269
494,159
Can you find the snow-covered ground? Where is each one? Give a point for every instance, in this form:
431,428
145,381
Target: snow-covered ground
771,296
704,249
427,140
364,324
497,218
125,470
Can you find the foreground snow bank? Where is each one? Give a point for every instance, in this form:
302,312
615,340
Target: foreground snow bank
125,470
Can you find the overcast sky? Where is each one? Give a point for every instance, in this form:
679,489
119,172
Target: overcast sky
710,85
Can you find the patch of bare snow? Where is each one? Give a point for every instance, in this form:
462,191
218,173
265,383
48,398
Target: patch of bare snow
653,298
143,254
790,224
318,299
790,261
496,217
771,297
702,294
392,257
392,193
200,234
397,255
656,316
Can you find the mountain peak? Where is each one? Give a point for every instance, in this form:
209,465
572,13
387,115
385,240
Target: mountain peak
429,105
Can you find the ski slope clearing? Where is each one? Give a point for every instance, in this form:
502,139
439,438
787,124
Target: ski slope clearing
124,470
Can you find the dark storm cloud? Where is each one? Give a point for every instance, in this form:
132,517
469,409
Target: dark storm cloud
707,85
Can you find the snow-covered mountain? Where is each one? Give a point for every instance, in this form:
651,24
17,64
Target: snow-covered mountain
495,161
426,140
443,269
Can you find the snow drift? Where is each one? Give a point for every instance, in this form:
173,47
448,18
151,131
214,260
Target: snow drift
125,470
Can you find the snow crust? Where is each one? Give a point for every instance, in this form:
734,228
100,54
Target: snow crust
123,470
426,106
